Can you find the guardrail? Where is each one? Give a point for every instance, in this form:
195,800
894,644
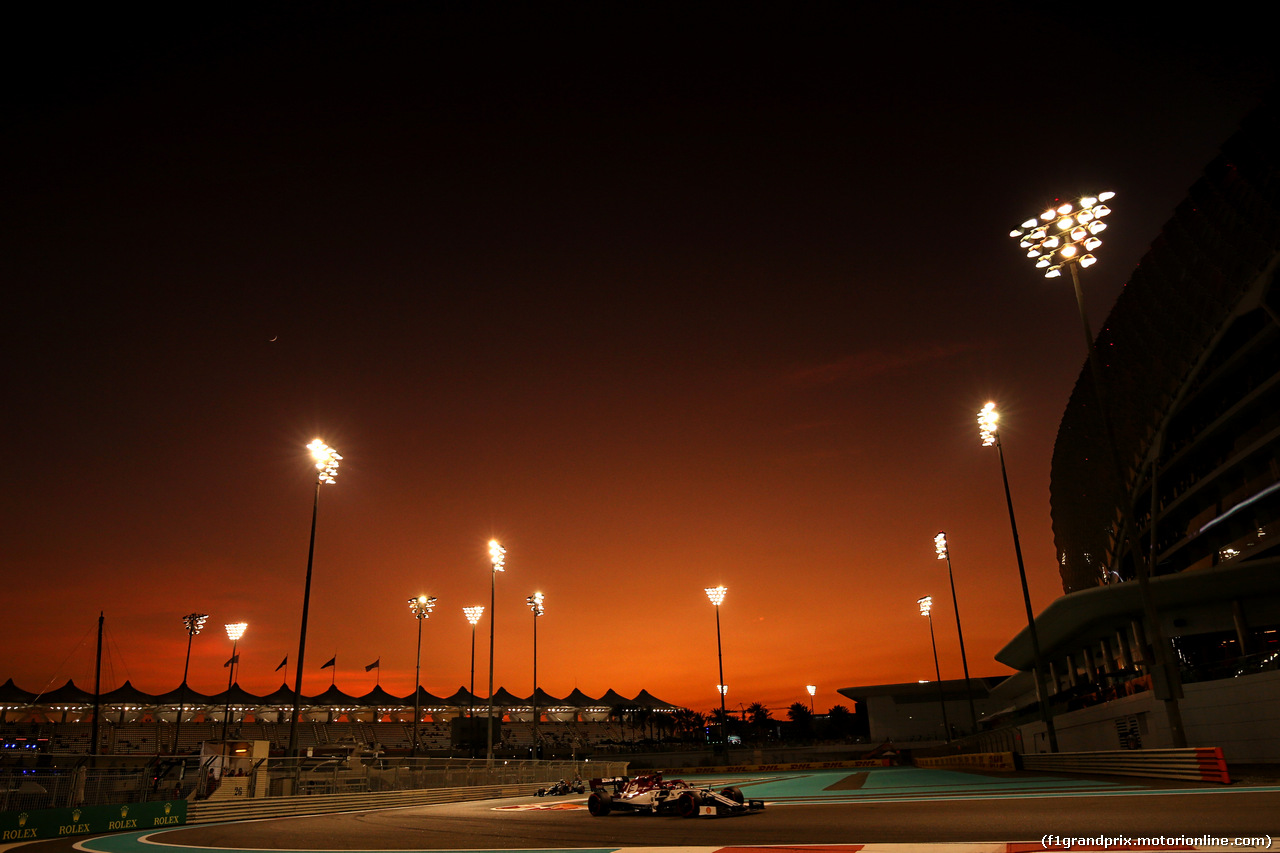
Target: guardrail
235,801
217,811
1198,764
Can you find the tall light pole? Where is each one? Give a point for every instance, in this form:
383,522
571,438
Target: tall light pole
535,603
235,631
988,429
812,690
716,595
326,459
926,606
420,607
1067,234
498,559
473,615
944,553
194,623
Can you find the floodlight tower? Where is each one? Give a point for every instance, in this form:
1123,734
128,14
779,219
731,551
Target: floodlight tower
473,615
194,623
926,606
1067,234
421,608
944,553
326,461
235,631
716,595
989,432
498,560
535,603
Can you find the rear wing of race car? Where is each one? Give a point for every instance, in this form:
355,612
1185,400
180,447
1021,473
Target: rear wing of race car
609,780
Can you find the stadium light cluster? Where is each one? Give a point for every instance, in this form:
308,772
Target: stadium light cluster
195,622
988,419
326,461
422,606
1064,234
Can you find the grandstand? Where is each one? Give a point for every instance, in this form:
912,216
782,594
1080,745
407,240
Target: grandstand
134,722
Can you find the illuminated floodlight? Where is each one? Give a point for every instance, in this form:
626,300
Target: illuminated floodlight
812,689
716,594
1074,223
497,556
722,689
422,606
473,614
988,418
535,603
940,545
327,460
235,631
926,604
195,622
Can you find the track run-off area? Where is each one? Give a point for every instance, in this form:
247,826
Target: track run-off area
827,811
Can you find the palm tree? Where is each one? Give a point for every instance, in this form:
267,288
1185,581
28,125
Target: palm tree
639,716
800,714
688,723
760,718
840,719
618,714
662,722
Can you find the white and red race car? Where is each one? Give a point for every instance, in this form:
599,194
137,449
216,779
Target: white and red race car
651,794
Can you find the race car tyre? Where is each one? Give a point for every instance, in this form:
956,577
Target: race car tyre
687,805
734,793
600,803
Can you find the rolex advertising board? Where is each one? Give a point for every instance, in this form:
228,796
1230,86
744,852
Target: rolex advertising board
37,824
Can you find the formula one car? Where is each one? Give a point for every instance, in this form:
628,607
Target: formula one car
564,786
652,794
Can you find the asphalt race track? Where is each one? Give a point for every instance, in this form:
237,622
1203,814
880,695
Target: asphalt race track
832,808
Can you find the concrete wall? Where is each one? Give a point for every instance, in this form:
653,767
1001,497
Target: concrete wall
1241,715
921,719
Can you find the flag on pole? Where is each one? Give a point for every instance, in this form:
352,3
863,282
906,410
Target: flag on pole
282,663
333,661
234,659
375,665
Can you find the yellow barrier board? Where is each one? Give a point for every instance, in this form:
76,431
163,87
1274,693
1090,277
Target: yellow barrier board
971,761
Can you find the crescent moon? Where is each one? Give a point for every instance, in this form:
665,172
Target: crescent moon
273,337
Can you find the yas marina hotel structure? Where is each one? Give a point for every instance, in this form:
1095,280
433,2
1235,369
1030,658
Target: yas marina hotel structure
1167,463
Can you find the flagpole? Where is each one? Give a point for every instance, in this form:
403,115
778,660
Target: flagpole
284,664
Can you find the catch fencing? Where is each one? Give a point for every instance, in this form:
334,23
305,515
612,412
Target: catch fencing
72,781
